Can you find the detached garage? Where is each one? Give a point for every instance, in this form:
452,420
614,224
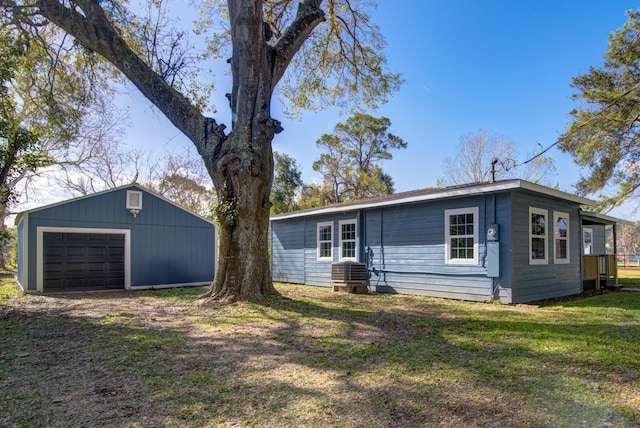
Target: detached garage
124,238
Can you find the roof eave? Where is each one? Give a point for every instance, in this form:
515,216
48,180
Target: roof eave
126,186
484,188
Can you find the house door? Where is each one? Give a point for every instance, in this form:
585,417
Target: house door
82,261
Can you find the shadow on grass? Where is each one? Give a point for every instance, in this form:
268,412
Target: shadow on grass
299,361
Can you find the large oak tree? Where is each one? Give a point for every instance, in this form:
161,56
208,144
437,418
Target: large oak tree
321,52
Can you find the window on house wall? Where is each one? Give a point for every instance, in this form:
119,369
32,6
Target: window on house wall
461,236
348,240
561,237
325,241
537,236
587,240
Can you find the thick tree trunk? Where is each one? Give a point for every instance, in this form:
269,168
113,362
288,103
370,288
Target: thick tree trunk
241,163
243,183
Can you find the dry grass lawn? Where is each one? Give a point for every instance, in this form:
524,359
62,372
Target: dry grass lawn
311,357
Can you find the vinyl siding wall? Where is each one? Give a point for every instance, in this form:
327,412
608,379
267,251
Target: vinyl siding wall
407,243
288,251
407,247
168,244
543,281
599,238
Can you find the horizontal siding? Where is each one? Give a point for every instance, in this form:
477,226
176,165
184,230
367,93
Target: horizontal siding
599,239
287,251
318,272
537,282
407,245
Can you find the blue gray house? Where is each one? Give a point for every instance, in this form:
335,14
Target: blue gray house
124,238
510,240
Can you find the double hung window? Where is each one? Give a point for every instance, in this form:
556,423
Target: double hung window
325,241
561,237
461,236
348,240
537,236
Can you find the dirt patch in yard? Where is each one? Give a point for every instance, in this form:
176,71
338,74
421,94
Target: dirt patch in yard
307,358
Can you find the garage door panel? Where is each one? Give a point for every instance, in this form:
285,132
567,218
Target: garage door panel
74,267
74,251
115,251
97,251
82,261
116,267
75,236
97,267
96,282
54,251
51,268
53,284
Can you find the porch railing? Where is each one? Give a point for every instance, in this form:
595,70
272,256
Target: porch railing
600,268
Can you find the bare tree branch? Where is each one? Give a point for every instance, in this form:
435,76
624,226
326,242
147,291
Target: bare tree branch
94,31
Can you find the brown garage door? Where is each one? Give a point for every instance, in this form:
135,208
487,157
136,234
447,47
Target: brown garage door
83,261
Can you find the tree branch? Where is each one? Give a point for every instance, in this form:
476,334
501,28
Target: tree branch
94,31
308,16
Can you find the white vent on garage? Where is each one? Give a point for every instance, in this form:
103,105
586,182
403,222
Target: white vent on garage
134,200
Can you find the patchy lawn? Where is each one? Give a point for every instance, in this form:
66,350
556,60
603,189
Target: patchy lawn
312,357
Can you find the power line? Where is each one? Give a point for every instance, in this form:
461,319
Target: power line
582,125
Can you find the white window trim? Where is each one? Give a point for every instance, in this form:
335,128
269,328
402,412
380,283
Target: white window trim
340,223
545,213
556,216
590,230
131,206
318,226
447,236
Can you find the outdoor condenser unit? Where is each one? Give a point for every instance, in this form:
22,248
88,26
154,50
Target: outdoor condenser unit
349,276
349,272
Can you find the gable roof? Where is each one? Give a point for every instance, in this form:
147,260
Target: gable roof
432,193
115,189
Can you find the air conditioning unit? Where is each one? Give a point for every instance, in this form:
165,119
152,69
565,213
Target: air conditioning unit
349,276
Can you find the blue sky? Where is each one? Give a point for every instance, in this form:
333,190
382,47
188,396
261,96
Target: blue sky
503,66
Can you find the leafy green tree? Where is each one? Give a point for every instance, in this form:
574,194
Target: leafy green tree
316,52
53,96
181,178
19,146
603,135
286,183
473,162
350,166
55,116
